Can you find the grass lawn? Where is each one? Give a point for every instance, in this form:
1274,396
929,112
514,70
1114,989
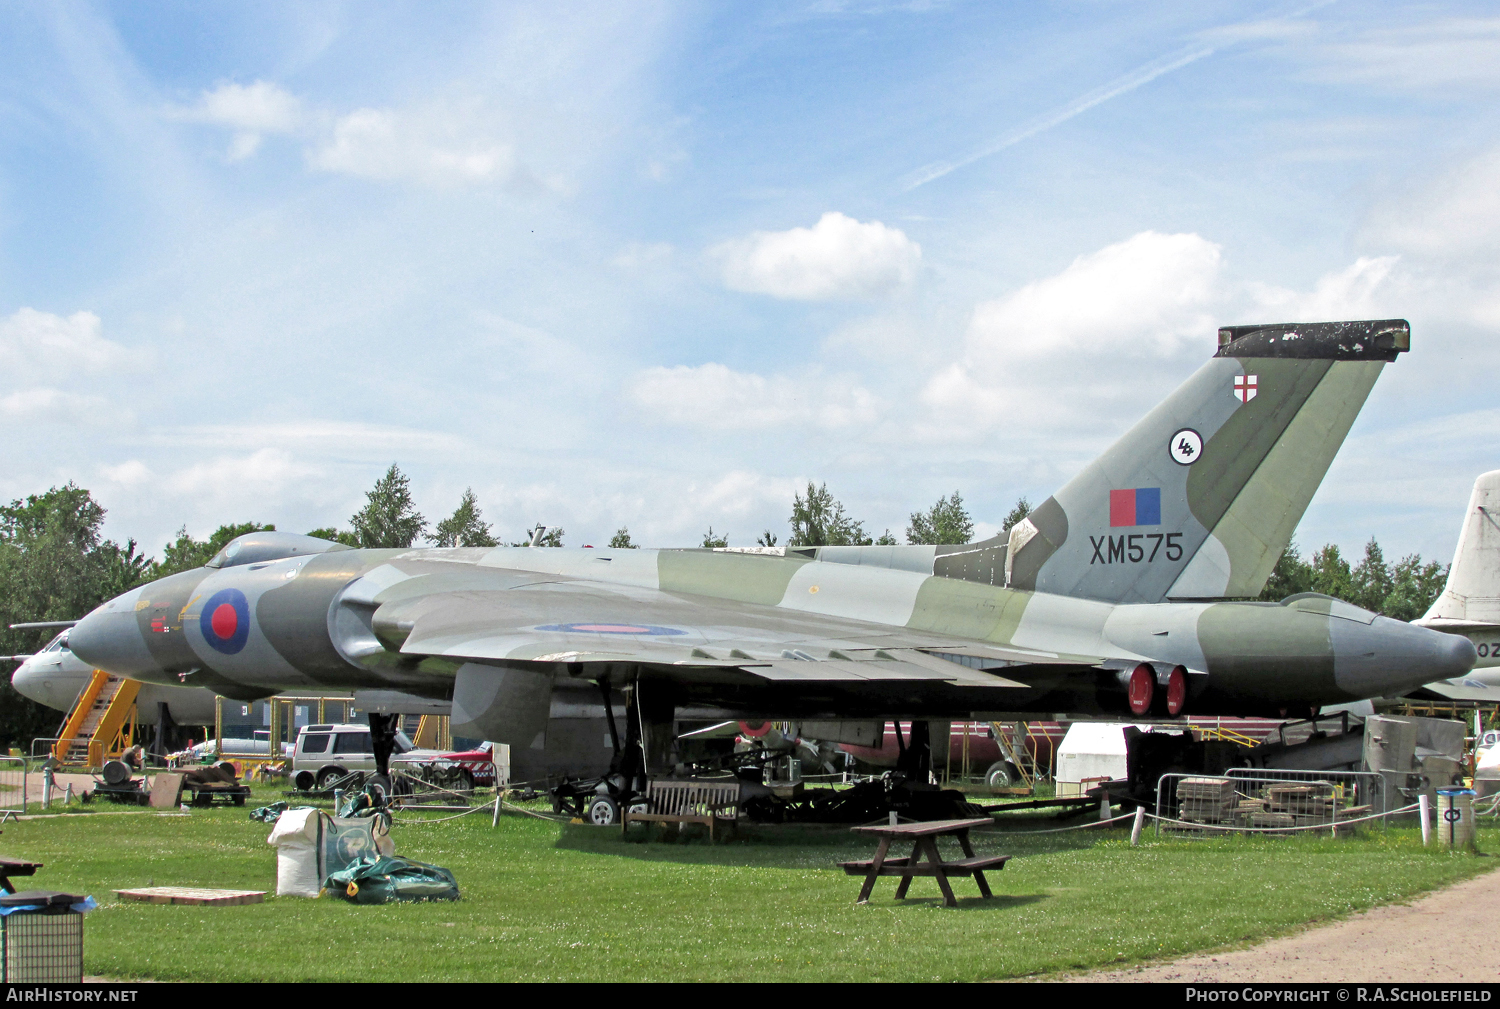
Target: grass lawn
547,901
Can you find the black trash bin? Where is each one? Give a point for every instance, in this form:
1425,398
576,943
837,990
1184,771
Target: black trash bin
41,937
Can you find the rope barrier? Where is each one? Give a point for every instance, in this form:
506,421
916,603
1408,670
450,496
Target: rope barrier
1283,830
443,819
1078,826
1211,826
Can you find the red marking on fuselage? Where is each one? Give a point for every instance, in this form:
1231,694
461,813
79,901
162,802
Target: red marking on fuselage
225,621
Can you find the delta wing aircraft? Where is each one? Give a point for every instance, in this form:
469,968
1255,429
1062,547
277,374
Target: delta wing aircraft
1116,596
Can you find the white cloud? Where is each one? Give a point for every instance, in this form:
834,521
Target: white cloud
250,110
1356,292
1131,311
268,471
341,439
441,143
1455,55
431,147
837,258
1453,216
50,404
715,396
41,343
644,256
131,473
1150,290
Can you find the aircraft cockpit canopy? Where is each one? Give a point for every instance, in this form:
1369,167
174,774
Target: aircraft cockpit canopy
269,545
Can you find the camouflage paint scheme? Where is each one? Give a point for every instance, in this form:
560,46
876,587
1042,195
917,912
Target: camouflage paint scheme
55,676
1137,560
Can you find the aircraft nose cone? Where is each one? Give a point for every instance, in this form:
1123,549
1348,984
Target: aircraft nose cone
1453,656
27,681
110,639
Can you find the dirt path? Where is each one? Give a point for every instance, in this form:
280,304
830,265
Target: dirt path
1448,935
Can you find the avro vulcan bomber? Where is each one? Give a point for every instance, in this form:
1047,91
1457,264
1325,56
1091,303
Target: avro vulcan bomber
1125,593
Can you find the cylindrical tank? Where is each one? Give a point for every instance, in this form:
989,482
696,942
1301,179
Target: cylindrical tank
1455,817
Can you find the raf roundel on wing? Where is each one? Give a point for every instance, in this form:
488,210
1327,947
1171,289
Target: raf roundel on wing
226,621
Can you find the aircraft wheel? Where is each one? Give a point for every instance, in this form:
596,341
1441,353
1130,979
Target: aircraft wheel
603,812
998,775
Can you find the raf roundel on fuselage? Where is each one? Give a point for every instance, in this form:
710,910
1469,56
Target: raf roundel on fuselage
226,621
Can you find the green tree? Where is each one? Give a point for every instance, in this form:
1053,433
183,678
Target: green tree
885,539
1330,573
1370,582
1020,511
465,527
710,540
1415,586
53,566
1403,591
1291,575
389,518
186,553
947,521
334,536
818,520
621,540
766,539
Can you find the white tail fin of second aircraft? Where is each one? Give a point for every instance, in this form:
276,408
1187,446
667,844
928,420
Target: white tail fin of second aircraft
1472,595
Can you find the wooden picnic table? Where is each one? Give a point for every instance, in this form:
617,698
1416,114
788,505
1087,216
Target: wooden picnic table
924,837
12,867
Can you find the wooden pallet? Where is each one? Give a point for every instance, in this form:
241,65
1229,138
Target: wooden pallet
192,895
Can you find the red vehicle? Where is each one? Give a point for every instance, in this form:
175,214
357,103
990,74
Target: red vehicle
475,767
1038,739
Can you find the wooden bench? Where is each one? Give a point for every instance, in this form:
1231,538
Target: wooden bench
924,837
683,802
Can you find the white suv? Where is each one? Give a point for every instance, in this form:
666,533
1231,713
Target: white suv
326,752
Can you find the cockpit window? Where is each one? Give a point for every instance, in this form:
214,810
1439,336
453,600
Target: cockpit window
225,557
1317,602
269,545
57,644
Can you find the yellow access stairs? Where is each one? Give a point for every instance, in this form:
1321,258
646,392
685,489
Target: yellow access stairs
102,722
432,733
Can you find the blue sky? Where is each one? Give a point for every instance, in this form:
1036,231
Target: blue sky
659,265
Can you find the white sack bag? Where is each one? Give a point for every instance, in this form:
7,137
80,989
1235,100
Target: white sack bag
296,835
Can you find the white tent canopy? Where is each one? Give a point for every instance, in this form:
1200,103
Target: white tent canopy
1091,750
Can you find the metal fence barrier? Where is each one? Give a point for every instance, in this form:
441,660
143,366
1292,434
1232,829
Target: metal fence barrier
1266,800
1361,788
12,786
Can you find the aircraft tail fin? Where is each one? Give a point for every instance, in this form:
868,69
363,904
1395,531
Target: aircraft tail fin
1472,594
1200,498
